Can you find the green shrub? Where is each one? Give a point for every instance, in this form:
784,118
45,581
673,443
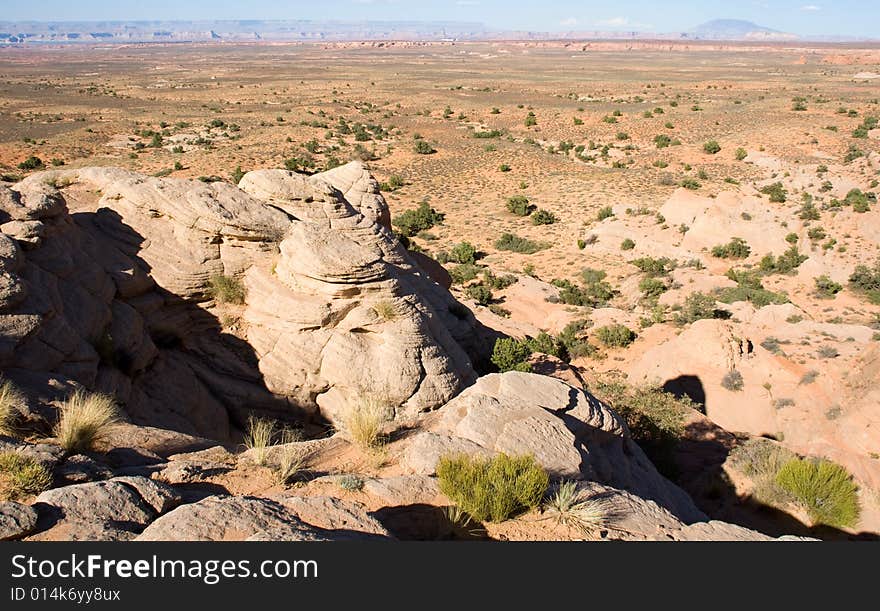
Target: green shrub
654,267
735,249
479,293
662,141
422,147
697,306
31,163
513,243
627,244
21,476
531,120
711,147
776,191
824,489
464,273
519,205
510,354
741,154
492,489
866,281
411,222
615,336
690,183
761,459
785,263
464,252
604,213
595,291
826,287
226,289
652,288
498,283
858,200
543,217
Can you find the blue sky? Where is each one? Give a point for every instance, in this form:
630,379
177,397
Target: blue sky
845,17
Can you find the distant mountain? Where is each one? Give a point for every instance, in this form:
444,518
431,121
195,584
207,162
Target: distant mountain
737,29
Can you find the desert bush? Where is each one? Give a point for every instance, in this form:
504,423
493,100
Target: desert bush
711,147
654,268
785,263
513,243
662,141
543,217
85,419
519,205
463,273
690,183
492,489
741,154
697,306
411,222
627,244
480,293
866,281
292,460
531,120
364,422
737,248
749,288
615,336
21,476
826,287
510,354
498,283
11,402
824,489
31,163
654,417
732,381
652,288
568,507
422,147
776,191
604,213
464,253
858,200
226,289
351,482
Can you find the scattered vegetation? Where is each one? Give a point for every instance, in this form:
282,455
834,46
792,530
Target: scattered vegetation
226,289
825,490
21,477
11,401
411,222
615,336
492,489
364,422
514,243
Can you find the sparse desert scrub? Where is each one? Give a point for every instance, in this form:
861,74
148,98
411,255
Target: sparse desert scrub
514,243
365,420
21,476
568,507
227,289
510,354
711,147
761,459
411,222
737,248
84,420
825,490
615,336
351,482
492,489
732,381
543,217
292,460
519,205
11,400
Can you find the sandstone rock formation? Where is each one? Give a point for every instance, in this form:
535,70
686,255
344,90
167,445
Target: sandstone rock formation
105,284
570,432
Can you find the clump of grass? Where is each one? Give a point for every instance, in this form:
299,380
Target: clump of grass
761,459
11,400
291,463
85,418
615,336
226,289
492,489
514,243
21,476
385,310
364,423
569,508
824,489
259,438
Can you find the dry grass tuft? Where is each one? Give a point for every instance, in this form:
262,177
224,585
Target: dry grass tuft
569,508
11,400
364,423
85,418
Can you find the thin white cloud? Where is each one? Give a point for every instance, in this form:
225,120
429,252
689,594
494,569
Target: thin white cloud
568,22
811,8
614,22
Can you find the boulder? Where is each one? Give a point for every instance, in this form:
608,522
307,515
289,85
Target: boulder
16,520
570,432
